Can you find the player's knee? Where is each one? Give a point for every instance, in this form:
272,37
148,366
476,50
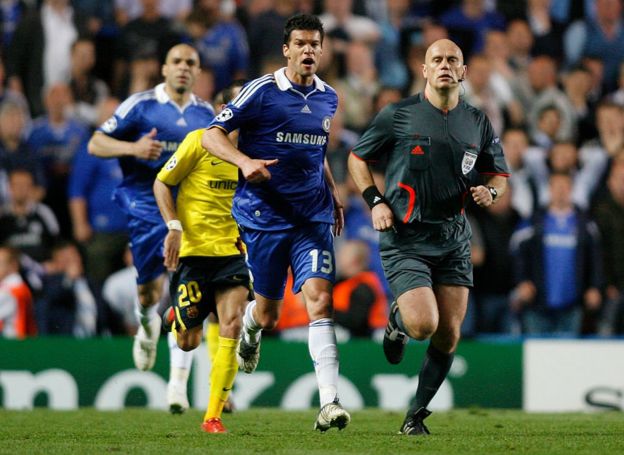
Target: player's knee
448,341
320,305
420,328
267,320
230,327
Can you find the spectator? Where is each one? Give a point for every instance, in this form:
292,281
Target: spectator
563,158
67,305
16,307
577,84
598,152
40,53
360,304
8,94
15,153
149,36
221,43
547,130
55,139
26,224
97,225
87,90
481,94
523,183
11,11
493,278
358,87
338,20
601,37
558,266
390,48
547,32
520,42
266,37
502,75
469,22
609,213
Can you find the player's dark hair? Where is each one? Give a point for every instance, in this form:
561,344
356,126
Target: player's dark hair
227,94
303,22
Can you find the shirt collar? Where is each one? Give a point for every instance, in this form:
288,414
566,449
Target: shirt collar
283,83
163,98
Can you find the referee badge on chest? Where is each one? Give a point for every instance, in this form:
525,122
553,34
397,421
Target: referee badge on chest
468,162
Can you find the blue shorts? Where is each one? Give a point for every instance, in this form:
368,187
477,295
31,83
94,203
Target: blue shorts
308,250
147,243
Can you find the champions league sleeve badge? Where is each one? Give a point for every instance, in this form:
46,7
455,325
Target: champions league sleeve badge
225,115
109,125
468,162
171,163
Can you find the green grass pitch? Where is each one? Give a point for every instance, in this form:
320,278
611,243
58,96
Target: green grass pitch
472,431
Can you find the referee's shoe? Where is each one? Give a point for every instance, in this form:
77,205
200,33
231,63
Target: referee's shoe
413,424
394,340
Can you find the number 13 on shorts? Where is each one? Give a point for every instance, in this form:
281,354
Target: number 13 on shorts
322,261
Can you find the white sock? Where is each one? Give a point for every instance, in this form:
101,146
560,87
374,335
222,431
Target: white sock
145,315
251,330
177,357
324,353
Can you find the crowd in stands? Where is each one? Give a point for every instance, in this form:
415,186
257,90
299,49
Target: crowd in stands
548,257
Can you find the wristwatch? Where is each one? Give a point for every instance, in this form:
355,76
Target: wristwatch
493,192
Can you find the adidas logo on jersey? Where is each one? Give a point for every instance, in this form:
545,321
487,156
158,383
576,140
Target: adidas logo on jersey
181,122
418,150
306,110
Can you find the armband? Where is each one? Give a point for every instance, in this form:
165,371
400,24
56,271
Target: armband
174,225
372,196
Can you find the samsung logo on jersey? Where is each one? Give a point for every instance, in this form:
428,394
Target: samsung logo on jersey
169,146
222,184
301,138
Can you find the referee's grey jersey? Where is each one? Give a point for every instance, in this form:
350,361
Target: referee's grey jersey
434,156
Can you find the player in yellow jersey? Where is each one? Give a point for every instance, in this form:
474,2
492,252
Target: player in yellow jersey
204,248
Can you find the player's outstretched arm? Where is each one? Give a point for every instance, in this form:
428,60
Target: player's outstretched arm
381,214
254,170
104,146
173,240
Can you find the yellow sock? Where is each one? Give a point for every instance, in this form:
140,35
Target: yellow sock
224,369
212,340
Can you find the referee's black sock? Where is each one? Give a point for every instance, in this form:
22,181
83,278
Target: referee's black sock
435,367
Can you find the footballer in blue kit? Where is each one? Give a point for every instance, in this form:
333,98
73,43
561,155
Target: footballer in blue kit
143,133
286,201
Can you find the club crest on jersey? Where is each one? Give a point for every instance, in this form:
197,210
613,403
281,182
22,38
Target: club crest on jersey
109,125
326,124
225,115
171,163
468,162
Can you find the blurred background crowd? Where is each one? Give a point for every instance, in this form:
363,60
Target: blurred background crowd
548,257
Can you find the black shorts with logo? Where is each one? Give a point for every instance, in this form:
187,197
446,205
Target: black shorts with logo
195,281
421,255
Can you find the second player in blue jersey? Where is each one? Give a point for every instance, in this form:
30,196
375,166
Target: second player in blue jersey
142,134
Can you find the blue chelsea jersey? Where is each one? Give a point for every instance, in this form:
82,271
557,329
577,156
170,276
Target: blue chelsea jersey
135,118
278,121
